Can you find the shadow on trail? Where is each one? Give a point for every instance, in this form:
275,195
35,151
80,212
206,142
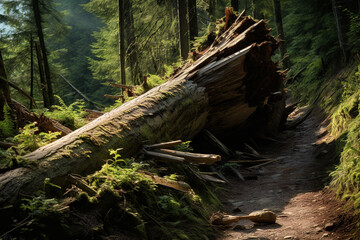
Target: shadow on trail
288,186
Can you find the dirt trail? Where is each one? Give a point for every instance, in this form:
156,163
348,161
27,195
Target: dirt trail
291,187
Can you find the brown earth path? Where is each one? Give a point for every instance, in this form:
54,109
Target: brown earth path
292,187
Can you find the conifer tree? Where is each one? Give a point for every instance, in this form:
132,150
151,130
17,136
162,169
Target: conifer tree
193,25
184,32
281,35
4,88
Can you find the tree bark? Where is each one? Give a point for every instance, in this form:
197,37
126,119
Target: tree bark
43,86
219,91
184,30
281,35
122,42
4,88
40,33
212,10
339,28
31,70
235,5
131,43
193,25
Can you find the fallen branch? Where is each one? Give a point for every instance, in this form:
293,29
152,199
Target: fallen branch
164,144
219,174
114,96
120,85
80,93
216,143
80,183
177,185
166,157
237,173
193,157
253,151
211,178
22,92
242,154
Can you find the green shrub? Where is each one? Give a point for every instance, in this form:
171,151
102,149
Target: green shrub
71,116
7,126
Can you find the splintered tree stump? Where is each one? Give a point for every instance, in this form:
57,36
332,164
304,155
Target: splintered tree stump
220,91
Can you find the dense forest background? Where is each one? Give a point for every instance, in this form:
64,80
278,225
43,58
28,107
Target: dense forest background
59,57
82,40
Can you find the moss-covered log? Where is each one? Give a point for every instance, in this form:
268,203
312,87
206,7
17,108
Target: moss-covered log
219,91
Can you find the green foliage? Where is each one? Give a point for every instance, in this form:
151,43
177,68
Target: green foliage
7,125
185,147
120,174
346,122
354,31
28,140
176,215
40,206
71,116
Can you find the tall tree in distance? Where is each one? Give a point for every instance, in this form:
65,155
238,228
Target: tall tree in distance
193,24
37,15
339,27
184,30
235,5
132,50
4,88
212,10
122,43
281,35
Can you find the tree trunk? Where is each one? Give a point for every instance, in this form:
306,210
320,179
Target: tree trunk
281,35
212,10
235,5
43,86
121,42
339,28
184,30
219,91
31,70
131,43
193,25
40,33
4,88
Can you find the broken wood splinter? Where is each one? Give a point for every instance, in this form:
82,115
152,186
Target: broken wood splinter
193,157
167,157
164,144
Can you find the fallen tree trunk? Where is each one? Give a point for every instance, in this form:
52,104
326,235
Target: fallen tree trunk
219,91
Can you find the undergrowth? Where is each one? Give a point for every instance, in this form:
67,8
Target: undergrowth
159,213
124,196
7,126
342,101
71,116
28,140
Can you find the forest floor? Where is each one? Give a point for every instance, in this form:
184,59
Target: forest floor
292,187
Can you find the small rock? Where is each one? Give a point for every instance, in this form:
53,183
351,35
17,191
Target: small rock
318,229
316,225
330,226
325,235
